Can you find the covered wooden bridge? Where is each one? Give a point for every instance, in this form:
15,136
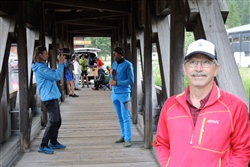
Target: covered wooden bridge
132,24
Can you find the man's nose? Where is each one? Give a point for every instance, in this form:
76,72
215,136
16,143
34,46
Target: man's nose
199,66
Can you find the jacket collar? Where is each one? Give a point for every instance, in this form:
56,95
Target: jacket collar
120,61
214,96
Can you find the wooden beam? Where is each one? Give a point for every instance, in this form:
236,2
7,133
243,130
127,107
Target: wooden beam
135,64
114,6
148,132
163,49
229,78
162,8
64,16
192,12
25,126
176,49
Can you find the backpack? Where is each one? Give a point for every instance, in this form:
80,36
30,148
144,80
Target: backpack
106,78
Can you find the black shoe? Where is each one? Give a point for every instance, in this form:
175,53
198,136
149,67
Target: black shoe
121,140
82,86
87,86
70,95
74,95
77,89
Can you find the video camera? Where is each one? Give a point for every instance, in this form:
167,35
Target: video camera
66,52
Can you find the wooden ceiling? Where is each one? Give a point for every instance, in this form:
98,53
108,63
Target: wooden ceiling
89,18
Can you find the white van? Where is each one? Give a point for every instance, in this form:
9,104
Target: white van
92,53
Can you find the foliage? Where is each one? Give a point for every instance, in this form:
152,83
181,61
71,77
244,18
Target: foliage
239,13
245,19
189,38
103,43
233,17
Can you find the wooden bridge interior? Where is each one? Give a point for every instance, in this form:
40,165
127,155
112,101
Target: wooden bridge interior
132,24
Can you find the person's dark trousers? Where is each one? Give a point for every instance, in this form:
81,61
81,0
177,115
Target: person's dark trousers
97,83
54,122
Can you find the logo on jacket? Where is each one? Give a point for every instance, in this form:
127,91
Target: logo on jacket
213,121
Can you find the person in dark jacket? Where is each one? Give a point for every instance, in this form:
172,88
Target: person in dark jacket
49,93
100,79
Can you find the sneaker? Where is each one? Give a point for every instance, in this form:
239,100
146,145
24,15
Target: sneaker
127,144
121,140
94,88
57,146
74,95
46,150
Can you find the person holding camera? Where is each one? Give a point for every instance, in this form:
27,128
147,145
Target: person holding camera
49,93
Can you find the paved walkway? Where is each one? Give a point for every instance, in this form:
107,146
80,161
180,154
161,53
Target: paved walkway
89,129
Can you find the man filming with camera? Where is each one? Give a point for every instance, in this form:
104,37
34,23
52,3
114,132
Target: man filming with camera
49,93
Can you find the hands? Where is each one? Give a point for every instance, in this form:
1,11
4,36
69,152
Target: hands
112,82
61,58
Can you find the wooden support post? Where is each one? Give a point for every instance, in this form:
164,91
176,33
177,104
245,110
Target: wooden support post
163,49
148,132
135,64
214,29
31,35
176,48
5,130
25,125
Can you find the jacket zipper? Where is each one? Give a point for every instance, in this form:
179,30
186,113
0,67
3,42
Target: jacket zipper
202,130
220,162
191,141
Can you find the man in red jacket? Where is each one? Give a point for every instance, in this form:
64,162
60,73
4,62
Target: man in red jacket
204,126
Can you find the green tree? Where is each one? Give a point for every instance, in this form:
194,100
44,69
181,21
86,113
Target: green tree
233,16
103,43
245,19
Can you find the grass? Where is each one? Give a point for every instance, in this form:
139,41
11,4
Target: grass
245,76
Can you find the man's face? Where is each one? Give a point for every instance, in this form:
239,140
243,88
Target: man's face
200,71
116,56
44,57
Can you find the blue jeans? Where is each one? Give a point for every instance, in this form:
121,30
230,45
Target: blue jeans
77,80
121,104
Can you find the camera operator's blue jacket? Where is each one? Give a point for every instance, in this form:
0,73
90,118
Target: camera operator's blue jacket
46,80
124,76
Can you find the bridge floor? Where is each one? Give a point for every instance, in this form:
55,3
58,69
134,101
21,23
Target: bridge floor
89,129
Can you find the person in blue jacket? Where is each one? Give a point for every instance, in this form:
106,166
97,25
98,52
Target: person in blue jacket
49,93
121,80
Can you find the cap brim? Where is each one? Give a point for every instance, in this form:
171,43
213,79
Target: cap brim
199,52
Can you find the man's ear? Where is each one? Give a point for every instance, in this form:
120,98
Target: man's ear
217,70
184,70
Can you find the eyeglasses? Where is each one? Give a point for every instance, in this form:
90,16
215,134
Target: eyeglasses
204,63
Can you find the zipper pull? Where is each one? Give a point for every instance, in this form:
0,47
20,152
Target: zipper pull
191,141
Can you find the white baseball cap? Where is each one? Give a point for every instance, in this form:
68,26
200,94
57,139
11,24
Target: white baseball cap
201,46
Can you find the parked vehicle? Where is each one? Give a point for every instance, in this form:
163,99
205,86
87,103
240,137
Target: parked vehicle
92,53
13,64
